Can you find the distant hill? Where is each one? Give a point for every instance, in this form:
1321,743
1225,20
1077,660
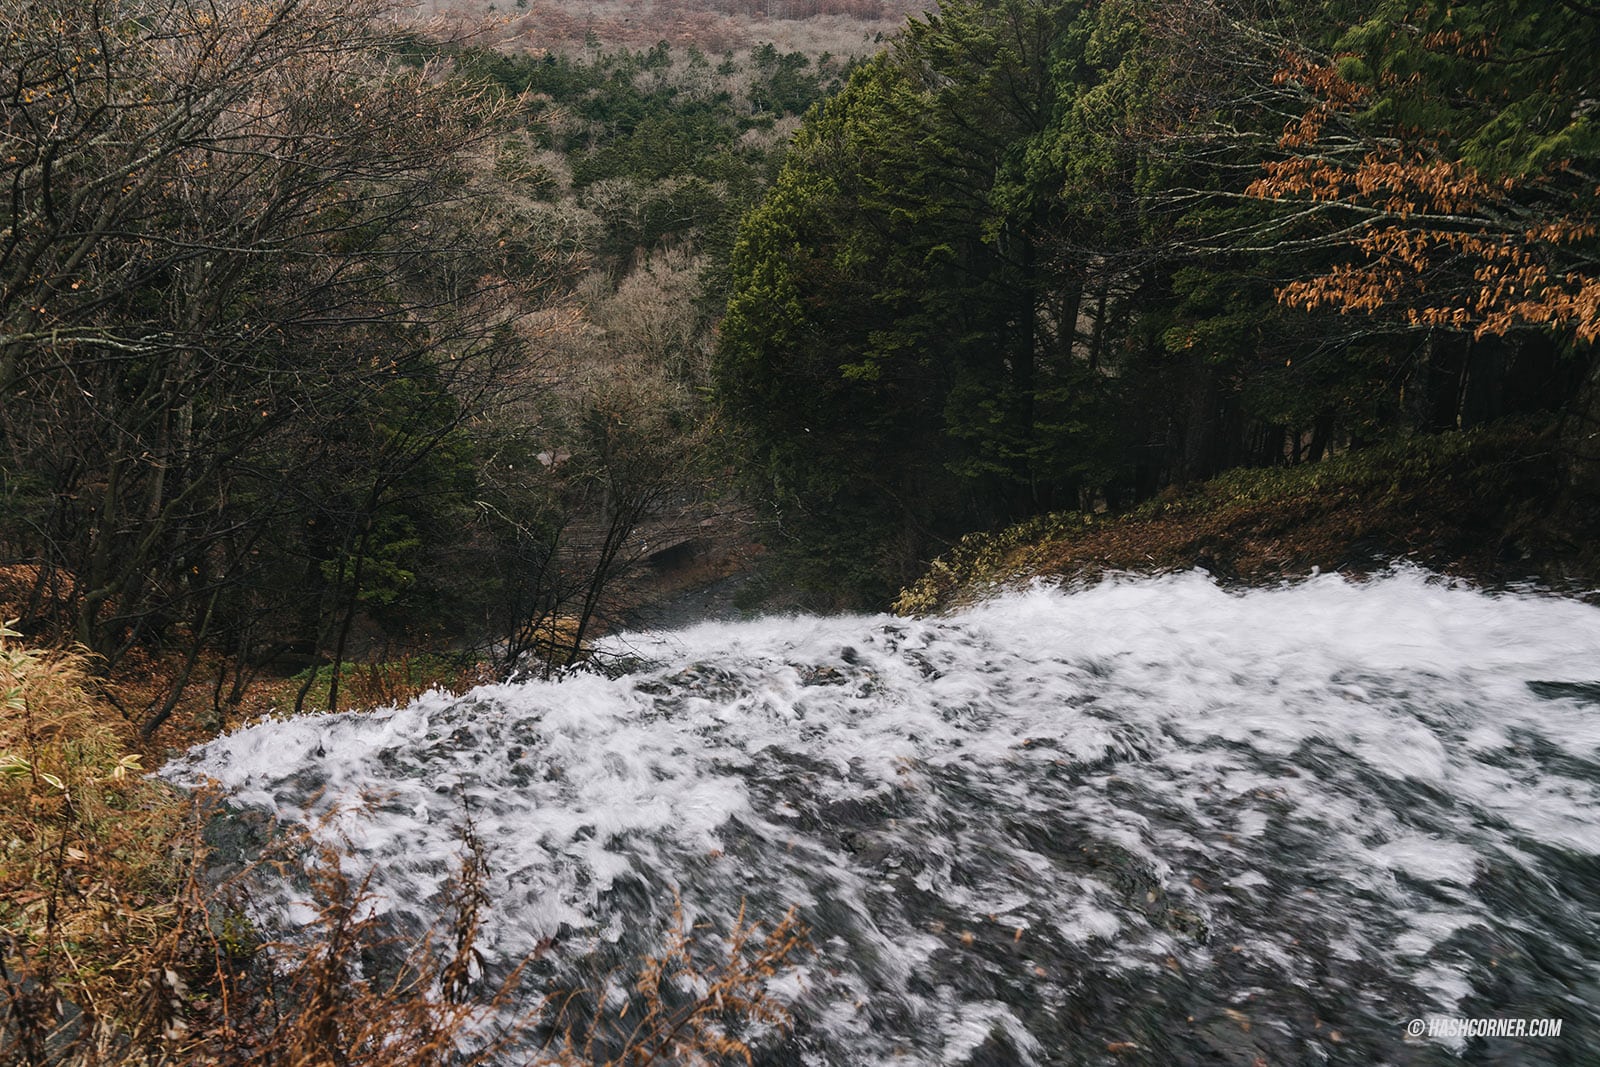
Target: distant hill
843,27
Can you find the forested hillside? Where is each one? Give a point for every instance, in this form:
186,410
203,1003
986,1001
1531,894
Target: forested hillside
353,353
1059,255
327,336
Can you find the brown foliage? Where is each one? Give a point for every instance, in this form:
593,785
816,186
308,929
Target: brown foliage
685,1009
1333,95
1433,237
117,949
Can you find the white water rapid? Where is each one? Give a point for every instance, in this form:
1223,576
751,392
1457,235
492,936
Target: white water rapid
1152,821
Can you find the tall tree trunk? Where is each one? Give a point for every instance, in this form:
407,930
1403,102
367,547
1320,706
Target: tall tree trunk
1321,433
1196,456
1580,438
1025,499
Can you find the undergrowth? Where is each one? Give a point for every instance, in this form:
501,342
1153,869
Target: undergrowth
380,683
1472,503
117,949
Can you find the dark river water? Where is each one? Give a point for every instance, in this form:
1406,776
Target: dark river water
1152,821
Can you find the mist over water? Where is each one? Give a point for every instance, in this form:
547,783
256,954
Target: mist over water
1151,821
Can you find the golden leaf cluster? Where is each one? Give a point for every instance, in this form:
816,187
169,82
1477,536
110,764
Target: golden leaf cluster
1434,238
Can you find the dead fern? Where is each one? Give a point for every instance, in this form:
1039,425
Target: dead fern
690,1006
118,948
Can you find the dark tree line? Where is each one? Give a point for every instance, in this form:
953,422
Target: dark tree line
310,326
1046,254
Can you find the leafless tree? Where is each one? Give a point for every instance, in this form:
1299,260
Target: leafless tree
241,259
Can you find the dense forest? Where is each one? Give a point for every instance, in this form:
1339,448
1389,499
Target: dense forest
1044,255
346,353
324,333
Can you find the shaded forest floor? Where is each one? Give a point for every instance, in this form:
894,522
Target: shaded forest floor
1491,506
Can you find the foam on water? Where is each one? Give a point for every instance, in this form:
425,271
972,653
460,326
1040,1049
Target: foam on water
1140,814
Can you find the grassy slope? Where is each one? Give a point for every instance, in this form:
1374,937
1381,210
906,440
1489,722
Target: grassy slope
1487,505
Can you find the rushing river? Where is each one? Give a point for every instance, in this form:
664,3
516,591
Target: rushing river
1152,821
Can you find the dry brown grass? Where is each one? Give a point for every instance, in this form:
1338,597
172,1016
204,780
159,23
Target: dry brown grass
95,871
117,949
687,1006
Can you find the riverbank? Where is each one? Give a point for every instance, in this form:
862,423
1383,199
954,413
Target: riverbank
129,926
1153,819
1491,506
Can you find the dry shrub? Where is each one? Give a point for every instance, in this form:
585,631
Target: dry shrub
115,949
328,997
349,991
685,1009
95,871
403,679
